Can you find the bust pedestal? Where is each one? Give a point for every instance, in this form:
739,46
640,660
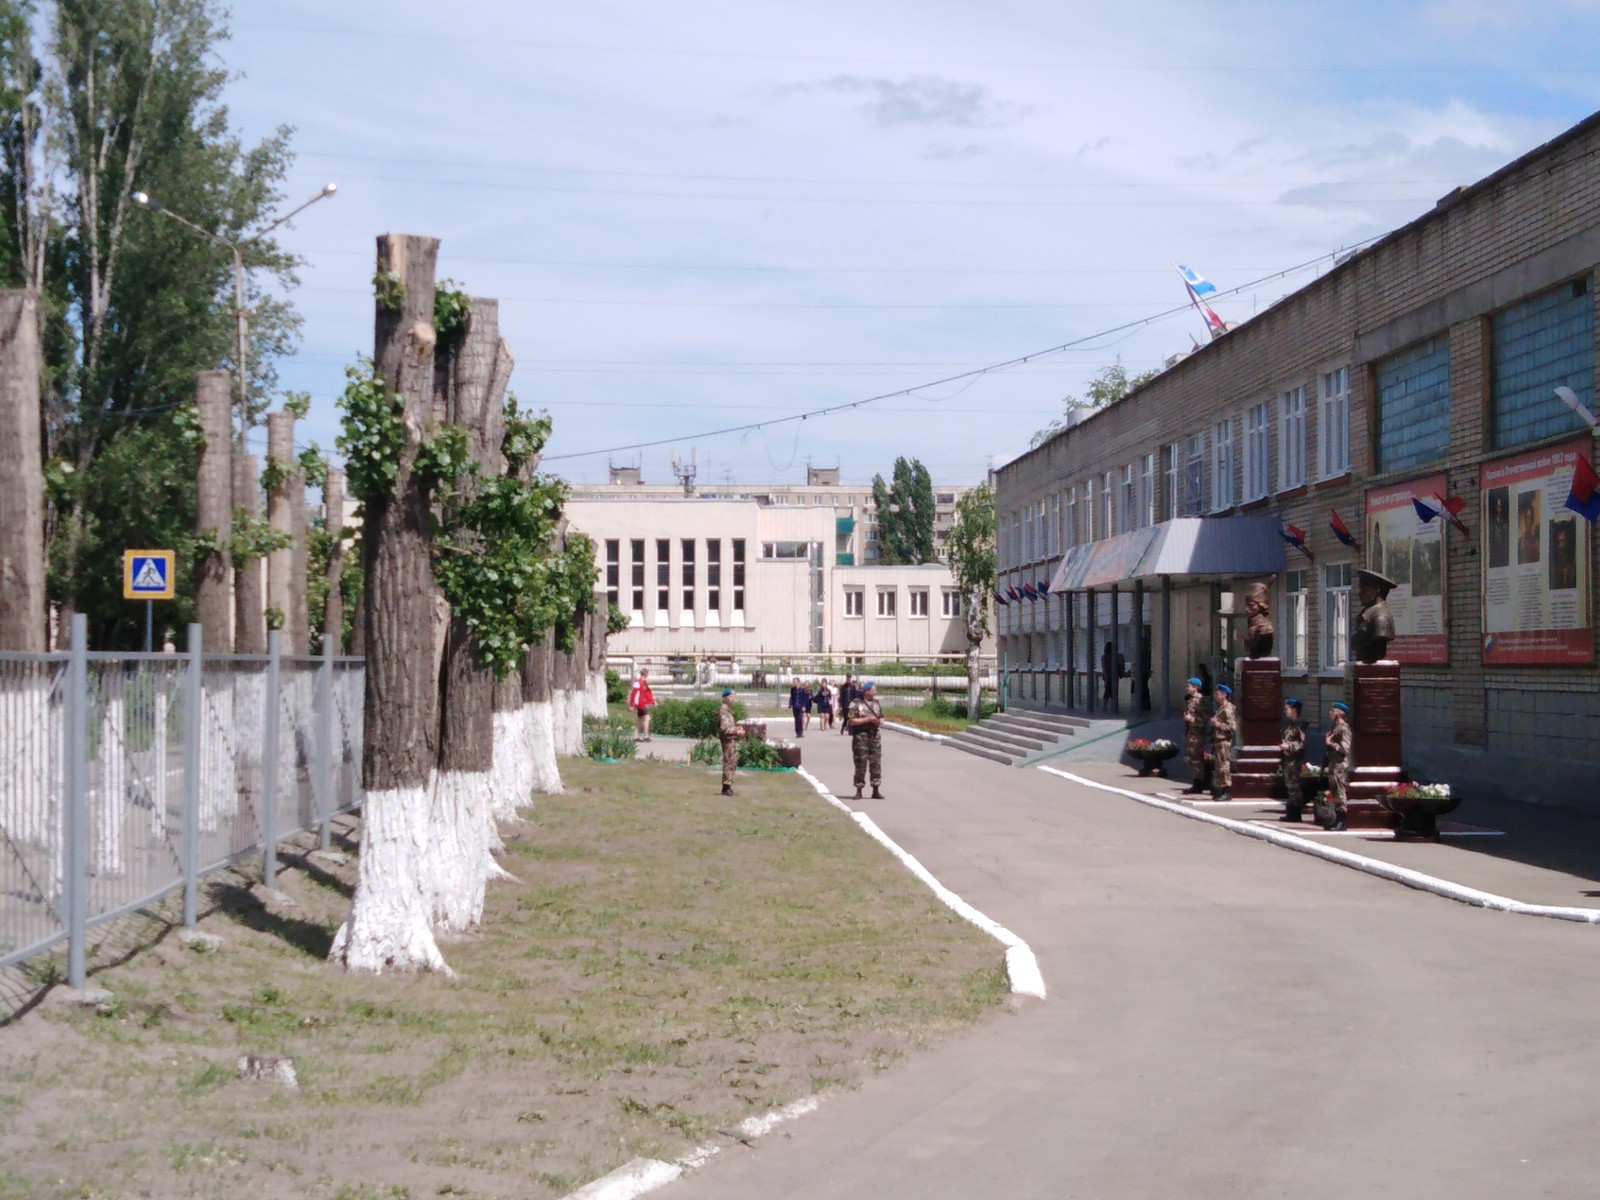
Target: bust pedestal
1260,726
1375,697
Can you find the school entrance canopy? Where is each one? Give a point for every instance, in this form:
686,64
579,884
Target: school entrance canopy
1185,550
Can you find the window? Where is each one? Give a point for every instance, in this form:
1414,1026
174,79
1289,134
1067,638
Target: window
1041,527
1128,516
1295,626
613,571
919,602
1257,458
738,575
1222,465
1193,475
1027,535
886,602
688,576
636,575
790,551
1091,518
1171,462
1108,504
951,607
1291,439
1335,614
852,602
1147,491
1055,524
1535,347
1333,402
1070,535
663,576
945,498
714,575
1414,406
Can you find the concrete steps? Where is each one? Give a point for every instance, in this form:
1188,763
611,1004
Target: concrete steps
1016,735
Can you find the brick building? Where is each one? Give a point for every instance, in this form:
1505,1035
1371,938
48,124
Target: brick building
1424,368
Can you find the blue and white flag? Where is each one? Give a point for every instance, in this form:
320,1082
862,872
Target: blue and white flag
1198,283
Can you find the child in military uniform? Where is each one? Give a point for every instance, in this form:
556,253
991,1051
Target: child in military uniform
1293,750
1194,735
1224,727
1340,741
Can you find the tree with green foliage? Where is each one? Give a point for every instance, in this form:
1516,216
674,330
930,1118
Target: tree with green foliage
905,511
120,97
1108,386
972,563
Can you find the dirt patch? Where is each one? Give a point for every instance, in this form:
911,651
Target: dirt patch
667,963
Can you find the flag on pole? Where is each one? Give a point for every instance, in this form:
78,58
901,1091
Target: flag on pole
1584,497
1451,504
1028,592
1014,594
1198,283
1293,534
1003,601
1340,529
1043,586
1425,510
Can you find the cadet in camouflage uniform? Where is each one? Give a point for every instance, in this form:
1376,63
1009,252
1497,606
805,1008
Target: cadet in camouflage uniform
729,731
1340,741
1194,735
866,738
1293,750
1223,729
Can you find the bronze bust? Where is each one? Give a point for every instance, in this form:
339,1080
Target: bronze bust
1369,641
1258,634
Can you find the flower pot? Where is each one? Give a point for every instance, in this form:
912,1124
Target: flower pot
1419,815
789,756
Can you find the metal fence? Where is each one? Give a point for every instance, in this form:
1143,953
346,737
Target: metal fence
126,777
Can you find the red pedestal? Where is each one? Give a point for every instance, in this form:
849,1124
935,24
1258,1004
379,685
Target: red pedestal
1260,708
1375,699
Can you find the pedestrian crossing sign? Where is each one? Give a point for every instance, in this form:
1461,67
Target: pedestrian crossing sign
147,575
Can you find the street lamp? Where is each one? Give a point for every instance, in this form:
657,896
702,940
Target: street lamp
1570,398
145,200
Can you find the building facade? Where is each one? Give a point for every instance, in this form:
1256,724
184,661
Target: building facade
1419,376
855,537
736,578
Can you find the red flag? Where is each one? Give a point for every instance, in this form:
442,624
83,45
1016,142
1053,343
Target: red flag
1340,529
1584,497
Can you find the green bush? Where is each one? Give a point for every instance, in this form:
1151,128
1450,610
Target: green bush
752,753
616,689
608,738
689,718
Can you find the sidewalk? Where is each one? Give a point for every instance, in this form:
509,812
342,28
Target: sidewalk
1537,853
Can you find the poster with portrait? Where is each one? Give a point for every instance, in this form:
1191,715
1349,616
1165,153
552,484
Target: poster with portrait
1410,551
1536,597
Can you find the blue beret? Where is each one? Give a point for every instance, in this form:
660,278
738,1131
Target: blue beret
1224,689
1341,706
727,691
1194,681
1294,703
868,685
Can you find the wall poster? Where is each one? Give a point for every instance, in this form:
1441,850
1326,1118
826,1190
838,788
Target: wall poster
1536,581
1410,551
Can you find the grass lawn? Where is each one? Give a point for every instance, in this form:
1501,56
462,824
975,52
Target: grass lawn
935,717
670,962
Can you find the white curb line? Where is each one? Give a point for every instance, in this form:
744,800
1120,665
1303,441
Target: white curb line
1360,862
642,1175
1022,968
915,732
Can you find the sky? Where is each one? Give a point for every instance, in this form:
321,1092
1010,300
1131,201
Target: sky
709,214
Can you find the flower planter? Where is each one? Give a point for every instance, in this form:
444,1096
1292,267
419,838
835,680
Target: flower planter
789,756
1419,810
1152,757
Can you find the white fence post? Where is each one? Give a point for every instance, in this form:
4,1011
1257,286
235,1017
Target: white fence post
193,731
76,840
273,701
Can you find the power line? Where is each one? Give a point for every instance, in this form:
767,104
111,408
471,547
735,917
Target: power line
1166,68
565,189
686,176
972,375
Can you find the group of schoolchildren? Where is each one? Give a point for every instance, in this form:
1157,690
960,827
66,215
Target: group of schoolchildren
1218,732
820,698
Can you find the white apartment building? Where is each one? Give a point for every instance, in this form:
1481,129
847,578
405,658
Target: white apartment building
855,537
728,578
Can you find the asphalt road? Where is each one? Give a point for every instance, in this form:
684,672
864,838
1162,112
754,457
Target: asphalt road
1227,1020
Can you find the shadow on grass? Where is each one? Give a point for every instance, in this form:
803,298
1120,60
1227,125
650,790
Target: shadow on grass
243,908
